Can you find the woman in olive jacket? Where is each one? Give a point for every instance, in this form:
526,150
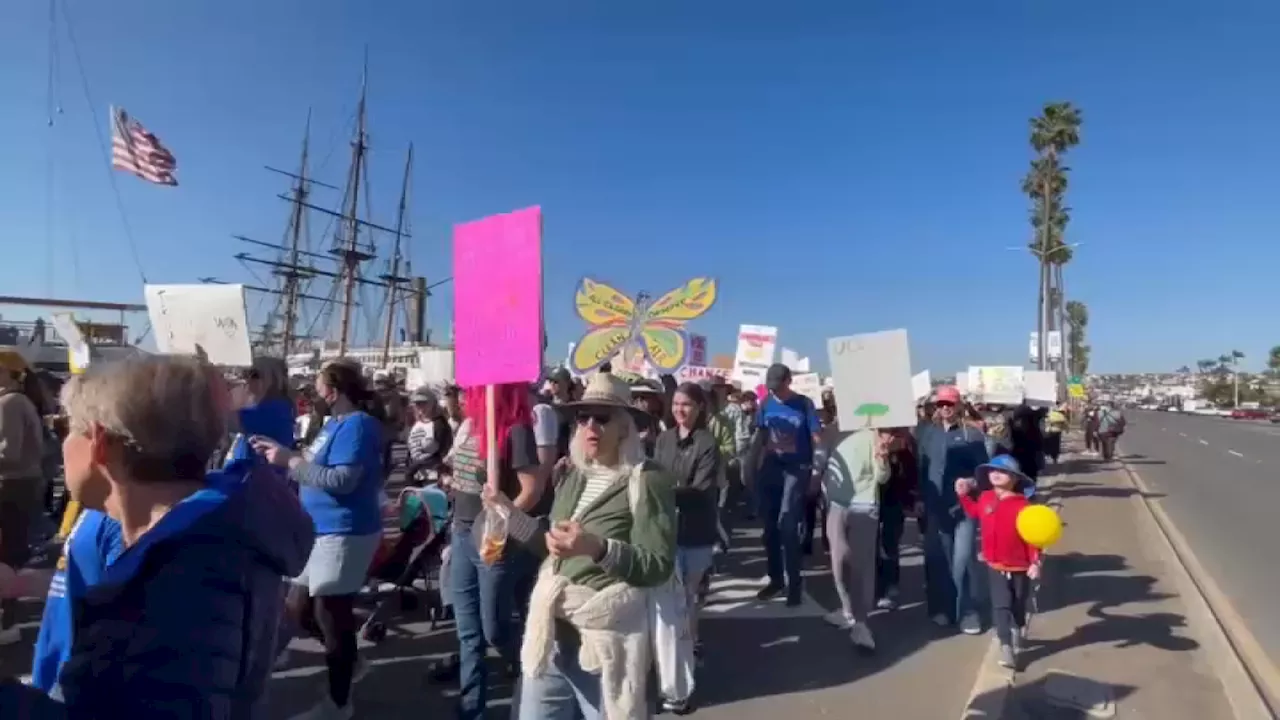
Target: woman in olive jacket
610,536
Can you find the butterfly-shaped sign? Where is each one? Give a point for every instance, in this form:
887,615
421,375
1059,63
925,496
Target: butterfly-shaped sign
655,327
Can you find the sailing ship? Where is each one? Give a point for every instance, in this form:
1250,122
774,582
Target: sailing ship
317,291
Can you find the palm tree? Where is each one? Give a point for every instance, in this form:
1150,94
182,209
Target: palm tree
1205,365
1184,370
1077,324
1273,360
1053,132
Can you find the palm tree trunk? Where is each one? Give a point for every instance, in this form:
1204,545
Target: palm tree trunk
1062,322
1040,316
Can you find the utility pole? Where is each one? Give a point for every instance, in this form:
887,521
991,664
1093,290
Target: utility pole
393,279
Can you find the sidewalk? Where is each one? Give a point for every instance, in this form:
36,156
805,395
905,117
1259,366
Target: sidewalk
1110,628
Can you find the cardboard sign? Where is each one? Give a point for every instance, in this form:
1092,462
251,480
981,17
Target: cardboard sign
497,284
697,350
809,385
921,385
756,345
872,376
1041,387
997,385
208,321
694,373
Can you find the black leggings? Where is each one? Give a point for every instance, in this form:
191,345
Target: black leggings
331,620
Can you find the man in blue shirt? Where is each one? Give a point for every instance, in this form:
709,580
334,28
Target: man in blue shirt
787,434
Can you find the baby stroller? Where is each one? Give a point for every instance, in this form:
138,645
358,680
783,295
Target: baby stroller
415,553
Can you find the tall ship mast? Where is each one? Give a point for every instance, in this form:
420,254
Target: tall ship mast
316,294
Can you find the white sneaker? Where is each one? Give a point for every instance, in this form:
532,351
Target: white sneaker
861,636
10,635
837,619
326,710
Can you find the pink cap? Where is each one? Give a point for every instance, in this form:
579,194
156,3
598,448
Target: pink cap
949,393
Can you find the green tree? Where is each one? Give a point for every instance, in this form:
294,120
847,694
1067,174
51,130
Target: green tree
1077,327
1053,132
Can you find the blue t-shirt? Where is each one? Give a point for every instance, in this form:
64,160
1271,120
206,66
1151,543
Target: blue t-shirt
354,439
789,428
272,418
93,544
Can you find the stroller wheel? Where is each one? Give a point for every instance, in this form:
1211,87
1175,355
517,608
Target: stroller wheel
374,632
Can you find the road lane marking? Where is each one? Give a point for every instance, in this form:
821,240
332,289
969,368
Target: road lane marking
1237,454
1183,434
1203,441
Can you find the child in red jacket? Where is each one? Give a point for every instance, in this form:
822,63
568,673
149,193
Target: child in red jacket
1011,563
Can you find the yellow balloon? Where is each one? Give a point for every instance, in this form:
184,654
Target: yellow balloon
1039,526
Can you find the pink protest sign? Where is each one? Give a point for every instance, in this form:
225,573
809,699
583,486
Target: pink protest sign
497,302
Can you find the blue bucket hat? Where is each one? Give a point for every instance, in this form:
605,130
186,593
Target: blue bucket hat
1005,464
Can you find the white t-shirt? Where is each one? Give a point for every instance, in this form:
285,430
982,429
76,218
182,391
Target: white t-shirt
546,425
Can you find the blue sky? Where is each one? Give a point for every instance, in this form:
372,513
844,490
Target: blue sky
840,166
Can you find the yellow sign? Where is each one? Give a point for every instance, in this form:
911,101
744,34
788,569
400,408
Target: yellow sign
1076,391
652,329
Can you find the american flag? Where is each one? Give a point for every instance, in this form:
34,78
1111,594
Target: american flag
134,149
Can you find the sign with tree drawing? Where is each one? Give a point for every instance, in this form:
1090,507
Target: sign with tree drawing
872,375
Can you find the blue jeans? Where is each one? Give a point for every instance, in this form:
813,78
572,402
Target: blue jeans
482,606
780,489
950,566
564,692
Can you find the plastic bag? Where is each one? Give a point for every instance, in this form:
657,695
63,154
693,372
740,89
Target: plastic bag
490,533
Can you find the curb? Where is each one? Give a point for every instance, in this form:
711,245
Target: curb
992,686
1249,679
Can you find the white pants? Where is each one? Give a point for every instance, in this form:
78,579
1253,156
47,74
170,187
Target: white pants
674,613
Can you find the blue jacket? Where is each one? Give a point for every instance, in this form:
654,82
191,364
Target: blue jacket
183,623
946,455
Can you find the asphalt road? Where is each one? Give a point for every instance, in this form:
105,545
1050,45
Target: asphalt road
1220,484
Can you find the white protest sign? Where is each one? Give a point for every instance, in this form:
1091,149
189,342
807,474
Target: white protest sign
996,385
69,330
1041,387
801,366
809,385
435,367
962,382
790,358
694,373
207,320
756,345
921,385
872,375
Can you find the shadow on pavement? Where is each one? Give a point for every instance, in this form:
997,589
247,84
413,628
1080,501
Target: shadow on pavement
1083,488
1102,582
773,653
1031,701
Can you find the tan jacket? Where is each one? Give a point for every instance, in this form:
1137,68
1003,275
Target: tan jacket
21,437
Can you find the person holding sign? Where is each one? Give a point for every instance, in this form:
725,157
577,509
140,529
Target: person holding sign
949,450
340,479
788,432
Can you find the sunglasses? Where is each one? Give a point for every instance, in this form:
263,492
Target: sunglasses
600,418
944,403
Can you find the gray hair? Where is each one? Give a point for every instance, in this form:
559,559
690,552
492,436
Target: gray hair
164,410
630,447
273,372
428,397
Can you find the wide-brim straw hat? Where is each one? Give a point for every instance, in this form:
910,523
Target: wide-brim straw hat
603,391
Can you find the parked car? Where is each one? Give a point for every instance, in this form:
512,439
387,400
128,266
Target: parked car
1249,414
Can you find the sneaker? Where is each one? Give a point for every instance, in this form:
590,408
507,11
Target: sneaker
326,710
889,601
971,625
10,635
861,636
1007,659
941,620
770,591
838,620
677,707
